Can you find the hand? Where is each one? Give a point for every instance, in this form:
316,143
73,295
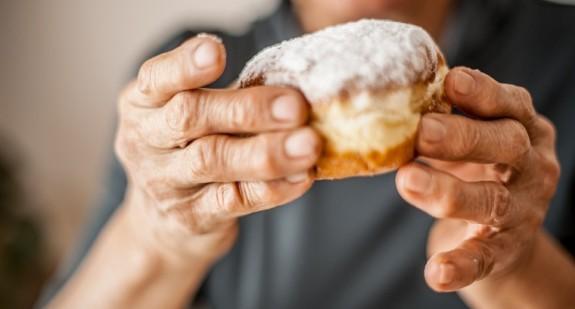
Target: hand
197,159
488,178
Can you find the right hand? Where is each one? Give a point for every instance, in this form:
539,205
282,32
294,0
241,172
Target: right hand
197,159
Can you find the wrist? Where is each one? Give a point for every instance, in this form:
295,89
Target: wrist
121,264
162,237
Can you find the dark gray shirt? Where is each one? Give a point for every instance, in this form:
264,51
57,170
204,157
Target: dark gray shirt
355,243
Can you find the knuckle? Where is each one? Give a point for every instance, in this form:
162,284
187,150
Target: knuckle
242,112
469,139
266,160
125,148
201,216
519,139
239,117
229,198
254,195
485,258
554,170
188,217
499,204
241,198
201,154
489,96
145,77
450,202
551,171
547,127
177,116
524,96
520,97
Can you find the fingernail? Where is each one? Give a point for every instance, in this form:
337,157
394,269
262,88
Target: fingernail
300,144
285,108
432,130
206,54
297,178
446,273
464,83
417,180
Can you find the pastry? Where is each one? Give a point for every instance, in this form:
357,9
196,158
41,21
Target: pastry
368,83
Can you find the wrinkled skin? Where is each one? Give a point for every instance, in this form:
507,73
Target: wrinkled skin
198,159
489,180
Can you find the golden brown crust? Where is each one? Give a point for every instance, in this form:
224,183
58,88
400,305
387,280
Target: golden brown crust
333,165
354,146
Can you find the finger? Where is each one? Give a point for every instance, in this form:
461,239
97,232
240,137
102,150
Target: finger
478,94
215,204
443,196
196,63
222,158
224,201
545,135
471,261
193,114
470,172
455,137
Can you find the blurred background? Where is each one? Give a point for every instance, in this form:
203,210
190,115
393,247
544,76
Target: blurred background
62,64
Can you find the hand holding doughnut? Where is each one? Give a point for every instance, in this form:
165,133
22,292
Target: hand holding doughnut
197,159
490,180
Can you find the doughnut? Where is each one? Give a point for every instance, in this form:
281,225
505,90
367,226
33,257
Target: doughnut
368,83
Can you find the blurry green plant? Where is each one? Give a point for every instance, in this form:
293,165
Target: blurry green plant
22,267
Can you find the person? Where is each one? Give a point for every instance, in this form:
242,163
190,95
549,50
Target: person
198,211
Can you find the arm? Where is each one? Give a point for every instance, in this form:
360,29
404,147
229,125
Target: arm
196,160
121,272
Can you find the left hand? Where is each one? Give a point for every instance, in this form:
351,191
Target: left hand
489,179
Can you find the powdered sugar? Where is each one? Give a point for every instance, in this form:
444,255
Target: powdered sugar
366,54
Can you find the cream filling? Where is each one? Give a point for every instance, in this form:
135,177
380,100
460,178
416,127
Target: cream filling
368,122
371,121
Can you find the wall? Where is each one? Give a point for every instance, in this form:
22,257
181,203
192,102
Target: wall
62,63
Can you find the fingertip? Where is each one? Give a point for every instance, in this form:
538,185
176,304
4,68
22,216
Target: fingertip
289,107
208,53
444,273
400,176
303,143
460,82
401,180
195,63
451,271
413,178
440,276
432,131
